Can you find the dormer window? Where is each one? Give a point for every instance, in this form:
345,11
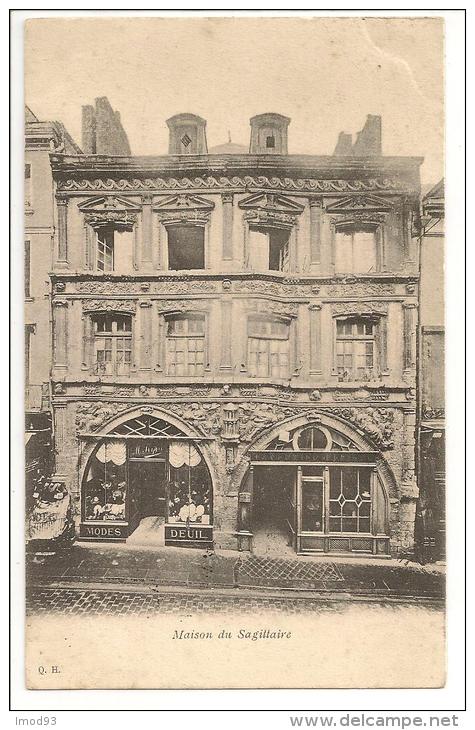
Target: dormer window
270,141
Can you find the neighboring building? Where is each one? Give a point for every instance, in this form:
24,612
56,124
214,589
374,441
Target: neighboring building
235,343
431,402
41,138
102,130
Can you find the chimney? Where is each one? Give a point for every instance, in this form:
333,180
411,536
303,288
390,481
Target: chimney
187,135
269,134
102,131
88,130
368,141
344,146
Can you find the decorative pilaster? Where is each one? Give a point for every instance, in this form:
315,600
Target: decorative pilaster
315,320
146,252
60,333
227,202
61,465
316,209
62,204
409,335
146,335
87,335
383,344
226,329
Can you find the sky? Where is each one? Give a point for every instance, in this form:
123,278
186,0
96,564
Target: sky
326,74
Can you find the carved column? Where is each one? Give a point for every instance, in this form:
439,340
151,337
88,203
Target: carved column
227,202
226,333
60,333
62,230
244,513
315,318
146,253
316,209
409,332
146,335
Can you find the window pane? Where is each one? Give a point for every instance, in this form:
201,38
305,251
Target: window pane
123,251
312,506
364,251
186,249
343,252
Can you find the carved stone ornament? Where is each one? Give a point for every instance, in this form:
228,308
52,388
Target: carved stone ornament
269,217
267,306
122,217
180,285
360,203
357,217
377,423
359,308
246,181
91,416
109,305
180,305
360,289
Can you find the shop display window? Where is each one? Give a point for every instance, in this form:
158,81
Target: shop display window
106,483
350,499
189,493
312,506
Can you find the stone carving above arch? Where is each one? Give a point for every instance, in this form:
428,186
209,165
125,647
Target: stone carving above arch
270,307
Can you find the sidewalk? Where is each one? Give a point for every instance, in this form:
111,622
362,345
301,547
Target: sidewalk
124,565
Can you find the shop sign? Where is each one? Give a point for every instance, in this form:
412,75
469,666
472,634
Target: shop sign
189,535
146,450
103,532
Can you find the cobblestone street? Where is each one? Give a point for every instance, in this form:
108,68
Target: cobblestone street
93,601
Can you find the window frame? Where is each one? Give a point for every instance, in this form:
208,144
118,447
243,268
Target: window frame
353,227
114,335
267,228
28,187
111,226
353,338
169,224
187,336
268,337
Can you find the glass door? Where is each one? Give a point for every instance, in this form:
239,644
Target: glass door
291,511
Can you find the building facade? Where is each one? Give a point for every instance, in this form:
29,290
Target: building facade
431,402
234,343
41,138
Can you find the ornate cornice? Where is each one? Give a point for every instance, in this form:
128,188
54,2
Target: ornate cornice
245,181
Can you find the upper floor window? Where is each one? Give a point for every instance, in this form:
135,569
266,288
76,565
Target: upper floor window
356,249
28,190
356,349
270,141
114,248
268,348
186,247
269,248
186,345
112,344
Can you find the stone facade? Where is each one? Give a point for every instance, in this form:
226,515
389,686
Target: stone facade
102,130
236,403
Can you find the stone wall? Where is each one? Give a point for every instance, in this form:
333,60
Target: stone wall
102,130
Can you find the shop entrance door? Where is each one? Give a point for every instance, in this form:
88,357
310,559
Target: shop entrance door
147,479
274,510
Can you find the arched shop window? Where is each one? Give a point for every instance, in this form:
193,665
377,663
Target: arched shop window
189,494
147,466
105,486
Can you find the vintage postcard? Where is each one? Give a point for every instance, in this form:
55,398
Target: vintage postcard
234,352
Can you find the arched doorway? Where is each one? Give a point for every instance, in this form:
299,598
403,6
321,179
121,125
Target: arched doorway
147,469
314,489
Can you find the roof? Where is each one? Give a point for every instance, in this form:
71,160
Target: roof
229,148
